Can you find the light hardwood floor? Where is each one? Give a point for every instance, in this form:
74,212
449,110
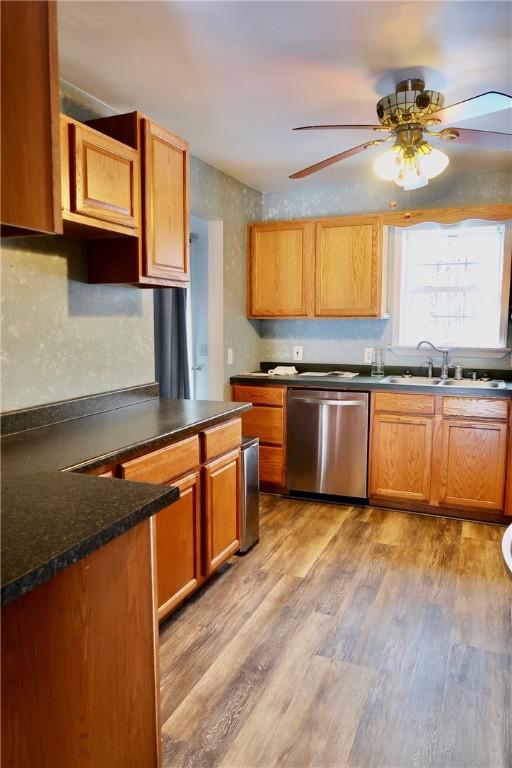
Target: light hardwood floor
348,637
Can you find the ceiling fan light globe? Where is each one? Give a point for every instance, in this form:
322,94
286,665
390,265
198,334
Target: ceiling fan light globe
387,165
410,176
433,163
414,183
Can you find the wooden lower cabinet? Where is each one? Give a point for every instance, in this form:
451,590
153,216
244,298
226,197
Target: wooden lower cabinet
454,459
473,461
79,667
177,536
400,462
196,534
266,420
222,509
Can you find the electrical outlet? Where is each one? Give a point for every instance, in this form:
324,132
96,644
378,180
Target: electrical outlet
368,355
230,356
297,353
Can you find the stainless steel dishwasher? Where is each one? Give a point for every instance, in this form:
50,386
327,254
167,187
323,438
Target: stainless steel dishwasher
327,442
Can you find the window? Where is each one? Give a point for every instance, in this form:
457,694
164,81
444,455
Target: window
452,285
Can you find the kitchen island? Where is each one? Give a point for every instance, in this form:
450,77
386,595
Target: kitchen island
80,669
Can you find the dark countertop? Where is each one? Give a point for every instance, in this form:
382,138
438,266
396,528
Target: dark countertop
366,384
51,518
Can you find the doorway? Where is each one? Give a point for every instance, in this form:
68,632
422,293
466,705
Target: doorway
206,309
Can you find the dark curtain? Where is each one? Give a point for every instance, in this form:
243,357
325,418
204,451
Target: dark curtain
171,359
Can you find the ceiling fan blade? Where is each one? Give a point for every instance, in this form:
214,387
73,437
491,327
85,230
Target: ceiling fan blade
338,128
332,160
482,139
477,106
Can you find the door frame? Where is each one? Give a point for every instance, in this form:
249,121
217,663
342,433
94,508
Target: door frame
215,310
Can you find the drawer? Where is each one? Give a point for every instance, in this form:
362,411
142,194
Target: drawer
266,423
106,470
400,402
475,407
165,464
271,465
259,395
220,439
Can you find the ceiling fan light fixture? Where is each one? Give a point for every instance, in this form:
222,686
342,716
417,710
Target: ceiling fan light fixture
387,165
431,161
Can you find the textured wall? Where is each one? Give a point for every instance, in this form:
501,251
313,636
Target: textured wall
344,340
61,337
214,195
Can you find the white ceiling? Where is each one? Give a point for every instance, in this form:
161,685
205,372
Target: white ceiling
235,77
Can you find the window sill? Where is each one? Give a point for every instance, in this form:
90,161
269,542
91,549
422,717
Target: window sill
454,351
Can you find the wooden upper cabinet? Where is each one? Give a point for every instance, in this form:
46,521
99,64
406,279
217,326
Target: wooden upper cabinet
222,509
280,269
401,457
160,256
326,268
349,268
473,464
165,188
30,118
100,181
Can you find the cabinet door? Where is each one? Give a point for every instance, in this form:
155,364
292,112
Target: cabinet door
222,510
165,201
177,534
272,465
264,422
473,460
348,268
280,269
401,457
30,161
104,177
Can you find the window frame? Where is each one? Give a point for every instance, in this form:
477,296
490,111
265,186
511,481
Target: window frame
396,241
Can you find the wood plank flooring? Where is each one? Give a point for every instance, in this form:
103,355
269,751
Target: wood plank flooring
353,637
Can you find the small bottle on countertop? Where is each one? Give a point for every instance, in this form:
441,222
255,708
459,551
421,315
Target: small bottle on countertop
458,375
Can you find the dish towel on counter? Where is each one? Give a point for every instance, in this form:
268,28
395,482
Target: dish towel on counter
283,370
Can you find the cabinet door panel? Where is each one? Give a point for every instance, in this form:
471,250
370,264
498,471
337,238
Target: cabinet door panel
165,184
348,269
177,532
280,270
30,163
473,460
401,457
271,465
222,510
264,422
79,669
105,183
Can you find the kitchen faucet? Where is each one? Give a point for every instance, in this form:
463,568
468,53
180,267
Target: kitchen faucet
444,351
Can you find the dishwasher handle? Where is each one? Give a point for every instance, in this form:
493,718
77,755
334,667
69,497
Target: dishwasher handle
324,401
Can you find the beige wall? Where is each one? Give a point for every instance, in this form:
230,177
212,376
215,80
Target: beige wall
61,337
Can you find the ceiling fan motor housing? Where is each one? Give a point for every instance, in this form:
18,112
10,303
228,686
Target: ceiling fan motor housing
410,103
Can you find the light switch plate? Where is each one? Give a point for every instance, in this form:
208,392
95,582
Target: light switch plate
368,355
230,356
297,353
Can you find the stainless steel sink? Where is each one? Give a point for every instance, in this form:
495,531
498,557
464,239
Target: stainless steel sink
470,384
422,381
418,381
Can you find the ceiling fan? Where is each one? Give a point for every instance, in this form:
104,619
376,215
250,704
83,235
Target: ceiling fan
408,115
